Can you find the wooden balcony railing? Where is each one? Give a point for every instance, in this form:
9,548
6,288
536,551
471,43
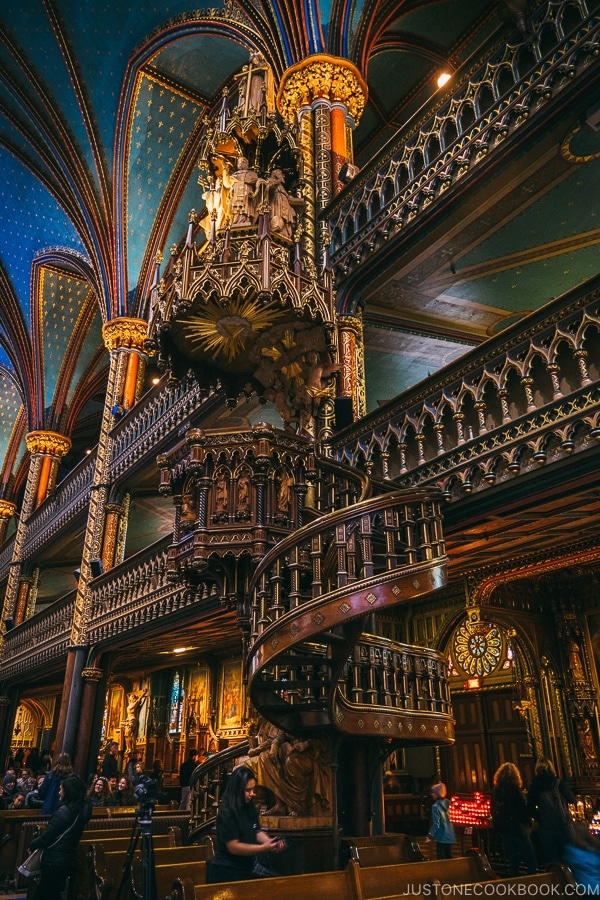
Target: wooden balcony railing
500,99
528,398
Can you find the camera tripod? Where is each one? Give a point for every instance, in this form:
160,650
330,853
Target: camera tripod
142,828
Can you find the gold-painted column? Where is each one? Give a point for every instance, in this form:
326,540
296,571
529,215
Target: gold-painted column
332,90
352,357
112,521
7,511
122,338
47,449
307,150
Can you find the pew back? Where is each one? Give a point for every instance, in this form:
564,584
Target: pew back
391,880
316,886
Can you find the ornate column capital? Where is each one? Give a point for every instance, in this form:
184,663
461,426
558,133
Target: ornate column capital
332,78
48,443
124,332
7,509
351,323
92,674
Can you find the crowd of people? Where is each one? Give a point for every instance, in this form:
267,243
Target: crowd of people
535,826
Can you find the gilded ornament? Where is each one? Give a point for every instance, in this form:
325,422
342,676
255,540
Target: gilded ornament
92,674
7,509
47,442
322,76
124,332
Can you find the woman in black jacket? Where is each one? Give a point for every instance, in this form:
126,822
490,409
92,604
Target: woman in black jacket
511,819
60,839
239,835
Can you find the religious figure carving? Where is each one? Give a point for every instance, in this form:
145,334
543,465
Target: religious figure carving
314,389
243,494
586,739
243,188
277,393
134,702
215,207
189,506
221,494
295,771
256,87
284,492
575,661
283,208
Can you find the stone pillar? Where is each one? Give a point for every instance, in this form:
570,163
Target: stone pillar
123,338
7,511
47,449
326,96
352,358
91,677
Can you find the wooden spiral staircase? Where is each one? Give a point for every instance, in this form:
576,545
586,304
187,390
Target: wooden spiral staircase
314,665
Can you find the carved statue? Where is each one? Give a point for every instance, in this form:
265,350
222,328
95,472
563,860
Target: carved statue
295,771
586,739
189,506
243,187
284,492
575,661
256,86
134,702
221,495
243,494
283,208
278,395
313,390
215,206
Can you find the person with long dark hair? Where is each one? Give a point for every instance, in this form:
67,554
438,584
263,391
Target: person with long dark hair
239,835
511,820
60,839
48,791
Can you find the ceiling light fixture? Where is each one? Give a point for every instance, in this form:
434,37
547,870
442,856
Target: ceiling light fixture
443,78
179,649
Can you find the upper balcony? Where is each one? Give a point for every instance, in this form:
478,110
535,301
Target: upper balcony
502,100
510,435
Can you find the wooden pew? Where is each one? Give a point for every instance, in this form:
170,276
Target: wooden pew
382,849
104,868
317,886
122,842
166,873
395,880
551,883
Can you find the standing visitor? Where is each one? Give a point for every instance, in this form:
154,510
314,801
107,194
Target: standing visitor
442,829
185,773
110,763
49,788
239,835
60,839
547,803
511,819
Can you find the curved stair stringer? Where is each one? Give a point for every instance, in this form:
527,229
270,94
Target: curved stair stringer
340,615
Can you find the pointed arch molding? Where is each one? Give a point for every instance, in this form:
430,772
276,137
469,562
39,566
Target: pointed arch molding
483,590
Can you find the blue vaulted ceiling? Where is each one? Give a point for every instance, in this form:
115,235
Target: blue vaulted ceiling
99,103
